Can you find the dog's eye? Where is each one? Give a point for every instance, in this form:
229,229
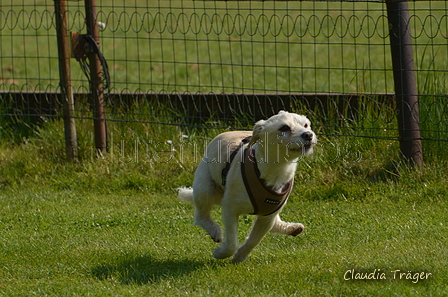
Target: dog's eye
284,128
306,125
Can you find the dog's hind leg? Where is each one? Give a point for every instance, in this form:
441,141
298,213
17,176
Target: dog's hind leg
205,195
285,228
261,227
202,216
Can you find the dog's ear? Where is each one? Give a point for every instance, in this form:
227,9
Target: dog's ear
258,128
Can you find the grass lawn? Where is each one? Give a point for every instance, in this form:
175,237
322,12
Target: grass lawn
109,227
134,243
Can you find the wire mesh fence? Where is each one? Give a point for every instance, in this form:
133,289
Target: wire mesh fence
229,63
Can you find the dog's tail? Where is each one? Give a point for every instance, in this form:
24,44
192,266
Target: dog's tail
185,194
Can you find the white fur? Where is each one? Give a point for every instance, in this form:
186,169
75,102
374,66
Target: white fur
277,151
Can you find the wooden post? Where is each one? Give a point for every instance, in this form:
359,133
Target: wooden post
406,95
96,87
71,143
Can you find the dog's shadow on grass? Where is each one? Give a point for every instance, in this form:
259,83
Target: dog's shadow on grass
145,269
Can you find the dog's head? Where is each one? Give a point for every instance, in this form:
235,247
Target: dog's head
289,133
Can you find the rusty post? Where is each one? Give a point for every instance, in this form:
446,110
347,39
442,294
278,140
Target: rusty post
71,143
406,95
96,81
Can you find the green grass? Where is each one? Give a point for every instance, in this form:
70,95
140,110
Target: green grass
112,226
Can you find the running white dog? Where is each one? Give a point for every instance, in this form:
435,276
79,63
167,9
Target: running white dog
250,173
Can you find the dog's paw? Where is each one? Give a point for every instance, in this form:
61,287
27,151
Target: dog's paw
216,233
238,258
216,238
223,252
212,228
296,229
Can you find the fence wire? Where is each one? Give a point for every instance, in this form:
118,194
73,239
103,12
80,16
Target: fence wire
197,63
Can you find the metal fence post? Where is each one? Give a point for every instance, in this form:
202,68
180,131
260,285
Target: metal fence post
71,143
406,95
96,81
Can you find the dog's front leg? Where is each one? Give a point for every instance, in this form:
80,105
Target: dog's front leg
230,244
261,226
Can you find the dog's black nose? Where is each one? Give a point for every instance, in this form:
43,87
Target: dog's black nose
308,136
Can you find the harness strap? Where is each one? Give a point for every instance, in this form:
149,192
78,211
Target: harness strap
225,171
265,200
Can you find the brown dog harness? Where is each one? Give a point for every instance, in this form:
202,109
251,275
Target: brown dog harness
265,200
